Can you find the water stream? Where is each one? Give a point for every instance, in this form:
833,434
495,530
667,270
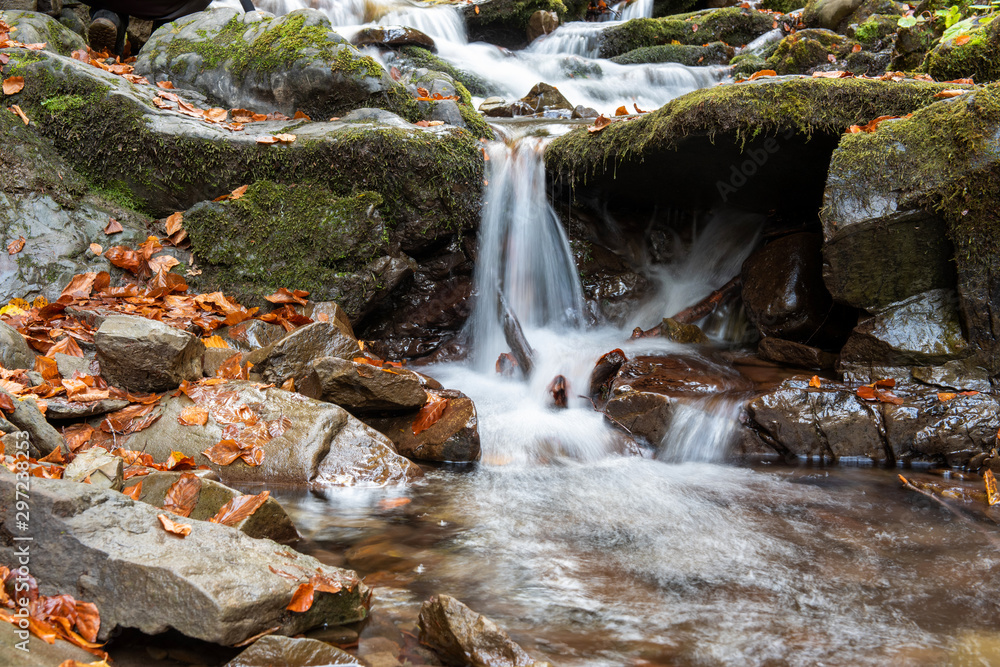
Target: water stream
588,551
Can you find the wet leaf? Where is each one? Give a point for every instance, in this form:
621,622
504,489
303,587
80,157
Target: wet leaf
113,227
992,495
945,396
288,385
762,73
15,246
284,295
217,342
174,222
96,249
171,526
814,382
223,452
621,111
6,403
302,599
88,620
959,41
239,508
177,461
193,415
77,435
392,503
133,491
183,494
600,123
429,414
13,85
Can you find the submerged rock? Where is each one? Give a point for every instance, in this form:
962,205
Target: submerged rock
274,650
215,584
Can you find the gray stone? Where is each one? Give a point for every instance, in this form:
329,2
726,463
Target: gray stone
273,650
68,365
104,470
580,111
140,354
36,27
14,349
541,23
363,388
251,335
60,408
292,355
26,417
828,13
446,111
392,37
215,584
955,376
463,637
322,444
491,103
40,654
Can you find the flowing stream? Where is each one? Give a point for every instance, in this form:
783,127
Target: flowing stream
588,551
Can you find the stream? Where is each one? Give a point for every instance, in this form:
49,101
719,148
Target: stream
587,551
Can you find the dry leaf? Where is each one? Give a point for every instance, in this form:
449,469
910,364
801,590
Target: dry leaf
13,85
171,526
165,85
300,115
959,41
239,508
133,491
621,111
217,342
762,73
945,396
174,222
113,227
285,138
945,94
600,123
814,382
183,494
96,249
238,192
15,246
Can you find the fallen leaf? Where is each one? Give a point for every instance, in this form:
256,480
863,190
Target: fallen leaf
193,415
113,227
216,115
133,491
238,192
637,109
302,599
267,140
223,452
992,496
289,384
429,414
391,503
967,82
285,138
284,295
174,222
96,249
15,246
6,403
476,9
165,85
856,48
239,508
621,111
814,382
600,123
301,115
217,342
762,73
832,58
171,526
694,28
183,494
945,94
20,114
945,396
959,41
13,85
65,345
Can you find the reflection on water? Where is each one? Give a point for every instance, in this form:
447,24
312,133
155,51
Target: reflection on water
625,560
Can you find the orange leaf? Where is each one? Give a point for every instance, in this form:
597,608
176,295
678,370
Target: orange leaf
88,621
600,123
637,109
177,461
6,403
13,85
96,249
476,9
165,85
66,345
390,503
172,526
945,94
113,227
238,192
183,494
301,115
302,599
223,453
814,381
856,48
284,295
15,246
174,222
992,496
20,114
193,415
216,115
959,41
289,384
133,491
621,111
762,73
944,396
239,508
430,413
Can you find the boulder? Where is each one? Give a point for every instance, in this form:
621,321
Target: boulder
34,27
784,294
454,437
923,330
363,388
463,637
692,55
292,355
14,349
392,37
415,57
542,23
60,408
330,311
505,22
274,650
320,444
96,467
643,414
289,63
968,49
807,50
216,584
251,335
795,354
26,417
954,376
269,521
39,653
140,354
542,99
828,14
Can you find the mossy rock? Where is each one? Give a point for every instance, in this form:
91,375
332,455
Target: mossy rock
939,170
828,14
870,8
912,45
505,22
731,25
805,50
746,64
977,57
716,53
783,6
291,63
35,28
415,57
663,8
876,31
430,180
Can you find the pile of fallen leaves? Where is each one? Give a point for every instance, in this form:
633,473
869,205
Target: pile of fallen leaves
50,617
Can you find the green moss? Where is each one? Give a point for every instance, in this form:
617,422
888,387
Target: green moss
120,193
64,103
731,25
783,6
416,57
876,30
746,64
806,49
476,124
738,112
716,53
978,58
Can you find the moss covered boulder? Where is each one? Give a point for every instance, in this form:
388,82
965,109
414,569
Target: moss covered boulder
294,62
716,53
505,22
806,50
415,57
925,189
969,49
732,25
36,28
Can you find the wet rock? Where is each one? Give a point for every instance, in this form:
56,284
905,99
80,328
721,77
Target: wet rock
26,417
911,45
140,354
542,99
955,376
103,470
678,332
795,354
580,111
677,375
974,58
922,330
292,355
463,637
541,23
289,63
950,430
275,650
716,53
392,37
363,388
321,444
453,437
216,584
415,57
14,349
807,50
38,28
784,293
491,103
828,14
643,414
605,370
60,408
269,520
330,311
251,335
40,653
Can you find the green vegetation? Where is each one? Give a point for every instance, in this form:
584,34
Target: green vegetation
978,57
716,53
783,6
732,25
806,49
416,56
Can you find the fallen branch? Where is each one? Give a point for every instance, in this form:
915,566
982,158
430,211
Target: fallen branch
519,347
703,308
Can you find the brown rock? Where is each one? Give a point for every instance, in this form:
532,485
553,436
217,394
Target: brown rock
292,356
795,354
454,437
140,354
363,388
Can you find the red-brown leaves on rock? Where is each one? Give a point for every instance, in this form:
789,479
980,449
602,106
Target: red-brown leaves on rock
174,222
832,75
77,435
223,452
992,495
879,391
239,508
945,396
193,415
231,369
621,111
815,382
65,345
13,85
171,526
945,94
600,123
183,494
133,491
761,74
430,413
871,126
962,39
6,403
80,286
113,227
131,419
302,599
284,295
15,246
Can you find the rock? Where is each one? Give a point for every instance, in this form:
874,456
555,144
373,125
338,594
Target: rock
784,293
504,23
321,445
580,111
26,417
415,57
273,650
362,388
392,37
954,376
269,521
643,414
14,349
542,99
34,28
912,44
251,335
541,23
463,637
953,429
922,330
716,53
216,584
605,370
140,354
677,332
795,354
974,58
453,437
215,357
67,365
491,103
828,14
807,50
40,653
446,111
289,63
731,25
292,355
102,469
329,311
60,408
